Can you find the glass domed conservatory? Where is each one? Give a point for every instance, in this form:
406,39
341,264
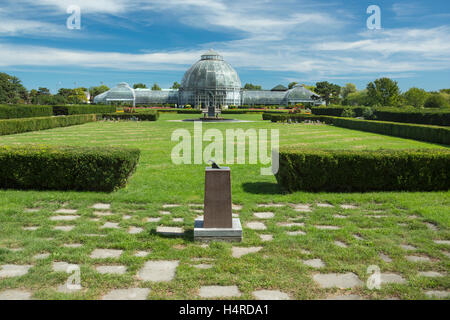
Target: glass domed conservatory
211,81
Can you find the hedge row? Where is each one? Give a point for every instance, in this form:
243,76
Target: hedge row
360,171
14,126
430,117
66,168
83,109
403,130
142,116
24,111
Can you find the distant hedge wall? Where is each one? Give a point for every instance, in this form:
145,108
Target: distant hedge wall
141,116
360,171
82,109
14,126
66,168
403,130
24,111
405,115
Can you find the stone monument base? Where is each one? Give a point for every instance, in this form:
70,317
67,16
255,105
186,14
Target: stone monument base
233,234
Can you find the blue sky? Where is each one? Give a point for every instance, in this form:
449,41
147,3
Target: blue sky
268,42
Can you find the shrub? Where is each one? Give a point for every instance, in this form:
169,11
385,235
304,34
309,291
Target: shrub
66,168
82,109
348,113
24,111
361,171
140,116
436,101
419,132
189,111
368,113
14,126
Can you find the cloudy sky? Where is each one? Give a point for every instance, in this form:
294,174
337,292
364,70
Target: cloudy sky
268,42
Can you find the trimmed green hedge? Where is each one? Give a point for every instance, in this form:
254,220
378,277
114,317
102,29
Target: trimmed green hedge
360,171
189,111
82,109
14,126
24,111
141,116
419,132
405,115
66,168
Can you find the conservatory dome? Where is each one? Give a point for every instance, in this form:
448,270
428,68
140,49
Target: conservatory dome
211,72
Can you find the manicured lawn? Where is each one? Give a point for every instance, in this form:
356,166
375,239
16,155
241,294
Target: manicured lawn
382,221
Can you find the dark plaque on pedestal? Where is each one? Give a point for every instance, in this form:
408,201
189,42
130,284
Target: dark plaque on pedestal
218,223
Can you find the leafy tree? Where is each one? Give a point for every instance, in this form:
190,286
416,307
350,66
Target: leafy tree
12,90
292,84
176,85
95,91
43,91
139,86
436,101
348,89
156,87
250,86
415,97
78,96
359,98
328,91
447,91
384,92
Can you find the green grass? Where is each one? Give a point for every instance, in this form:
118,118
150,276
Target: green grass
277,266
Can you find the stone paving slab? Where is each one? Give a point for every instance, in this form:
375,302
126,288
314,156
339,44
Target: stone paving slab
314,263
431,226
266,237
127,217
327,227
64,228
340,244
153,220
61,266
339,216
15,294
219,292
341,281
290,224
127,294
30,228
430,274
158,271
142,254
32,210
407,247
438,294
391,278
348,206
111,269
64,288
270,295
135,230
105,253
417,259
64,218
296,233
236,207
264,215
178,220
110,225
13,270
103,213
101,206
238,252
324,205
271,205
170,231
66,211
41,256
165,213
255,225
358,237
385,258
72,245
442,242
167,206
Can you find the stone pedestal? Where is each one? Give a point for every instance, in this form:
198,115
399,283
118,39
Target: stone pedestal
218,222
